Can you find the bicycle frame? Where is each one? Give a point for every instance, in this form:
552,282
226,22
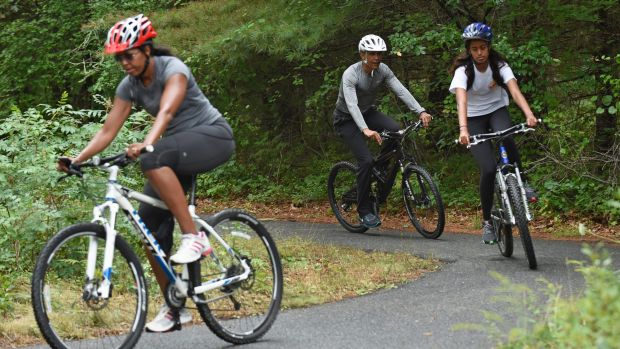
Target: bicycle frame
398,136
117,198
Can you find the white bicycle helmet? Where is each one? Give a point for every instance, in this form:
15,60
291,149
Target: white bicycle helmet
372,43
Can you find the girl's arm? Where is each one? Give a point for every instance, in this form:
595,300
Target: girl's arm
516,94
461,103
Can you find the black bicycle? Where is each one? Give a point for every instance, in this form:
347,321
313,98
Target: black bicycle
510,206
422,199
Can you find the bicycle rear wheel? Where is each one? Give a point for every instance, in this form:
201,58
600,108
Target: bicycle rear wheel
503,231
518,209
342,194
66,309
423,202
241,312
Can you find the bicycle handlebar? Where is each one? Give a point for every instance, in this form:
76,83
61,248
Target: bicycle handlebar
483,137
400,133
120,159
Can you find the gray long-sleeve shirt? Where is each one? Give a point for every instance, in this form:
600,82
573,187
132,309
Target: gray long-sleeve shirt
358,91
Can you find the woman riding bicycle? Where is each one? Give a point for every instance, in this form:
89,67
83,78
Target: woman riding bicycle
481,79
189,136
356,115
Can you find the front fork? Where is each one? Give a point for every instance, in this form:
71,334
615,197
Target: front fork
103,288
501,180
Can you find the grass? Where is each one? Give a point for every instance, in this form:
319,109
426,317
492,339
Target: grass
313,274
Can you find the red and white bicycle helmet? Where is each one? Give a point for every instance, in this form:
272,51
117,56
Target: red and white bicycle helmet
129,33
372,43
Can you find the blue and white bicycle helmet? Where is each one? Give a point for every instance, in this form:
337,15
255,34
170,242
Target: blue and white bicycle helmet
372,43
478,31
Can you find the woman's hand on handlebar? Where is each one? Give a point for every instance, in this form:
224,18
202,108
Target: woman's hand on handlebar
425,118
63,163
373,135
134,150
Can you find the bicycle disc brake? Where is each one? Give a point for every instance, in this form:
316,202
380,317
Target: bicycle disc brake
92,298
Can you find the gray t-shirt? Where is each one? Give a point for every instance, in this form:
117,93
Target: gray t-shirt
195,108
358,91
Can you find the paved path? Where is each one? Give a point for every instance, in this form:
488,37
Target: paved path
420,314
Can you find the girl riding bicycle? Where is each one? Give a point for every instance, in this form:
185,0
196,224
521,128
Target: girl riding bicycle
189,136
481,79
356,116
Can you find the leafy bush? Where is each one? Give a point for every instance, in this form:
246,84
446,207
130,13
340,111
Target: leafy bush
587,321
32,204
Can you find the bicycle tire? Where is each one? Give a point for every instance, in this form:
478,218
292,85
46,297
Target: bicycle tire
503,231
518,211
425,211
257,298
342,194
57,292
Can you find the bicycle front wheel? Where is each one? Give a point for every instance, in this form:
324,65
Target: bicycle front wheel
503,231
66,305
342,194
241,312
518,209
423,202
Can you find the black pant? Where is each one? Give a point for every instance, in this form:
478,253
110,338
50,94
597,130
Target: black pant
484,153
187,153
356,141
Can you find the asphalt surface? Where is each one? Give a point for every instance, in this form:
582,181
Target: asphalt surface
425,313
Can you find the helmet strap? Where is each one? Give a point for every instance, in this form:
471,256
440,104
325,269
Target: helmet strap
146,63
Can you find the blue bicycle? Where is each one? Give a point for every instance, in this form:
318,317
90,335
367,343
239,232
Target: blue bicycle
88,283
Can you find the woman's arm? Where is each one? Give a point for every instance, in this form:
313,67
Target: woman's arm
516,94
113,123
461,103
171,99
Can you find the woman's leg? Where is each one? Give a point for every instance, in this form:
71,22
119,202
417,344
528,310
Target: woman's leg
185,154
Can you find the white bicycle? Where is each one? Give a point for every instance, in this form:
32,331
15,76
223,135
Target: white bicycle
88,283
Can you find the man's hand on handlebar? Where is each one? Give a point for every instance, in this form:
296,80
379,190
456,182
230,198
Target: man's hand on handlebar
373,135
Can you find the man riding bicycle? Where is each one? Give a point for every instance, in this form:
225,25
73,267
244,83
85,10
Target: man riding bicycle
356,116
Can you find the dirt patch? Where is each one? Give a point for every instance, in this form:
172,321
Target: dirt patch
457,221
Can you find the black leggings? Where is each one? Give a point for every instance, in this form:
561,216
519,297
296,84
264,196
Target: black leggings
356,141
187,153
484,153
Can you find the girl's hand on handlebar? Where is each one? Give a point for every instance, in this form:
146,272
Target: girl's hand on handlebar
531,120
134,150
373,135
425,118
464,136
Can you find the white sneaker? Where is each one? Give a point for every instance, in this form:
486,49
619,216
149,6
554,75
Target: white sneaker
164,321
192,247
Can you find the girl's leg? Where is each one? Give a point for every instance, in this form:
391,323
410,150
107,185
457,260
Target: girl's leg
483,154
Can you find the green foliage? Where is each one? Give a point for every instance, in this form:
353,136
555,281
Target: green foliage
586,321
31,142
